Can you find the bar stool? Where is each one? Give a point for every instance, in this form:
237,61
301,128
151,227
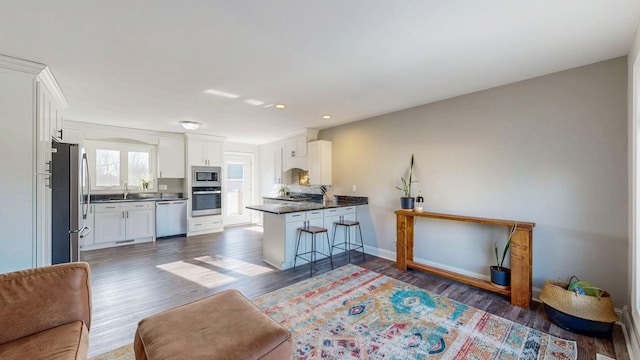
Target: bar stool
347,245
313,230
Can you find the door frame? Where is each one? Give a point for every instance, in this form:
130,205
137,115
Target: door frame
250,199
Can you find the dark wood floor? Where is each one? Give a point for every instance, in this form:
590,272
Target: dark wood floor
135,281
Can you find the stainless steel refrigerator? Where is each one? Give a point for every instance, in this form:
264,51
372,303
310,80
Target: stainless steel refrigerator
70,199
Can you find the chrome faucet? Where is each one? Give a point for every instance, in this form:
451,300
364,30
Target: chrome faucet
126,190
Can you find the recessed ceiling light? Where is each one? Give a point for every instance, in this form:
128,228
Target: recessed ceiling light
254,102
190,125
326,117
222,93
281,106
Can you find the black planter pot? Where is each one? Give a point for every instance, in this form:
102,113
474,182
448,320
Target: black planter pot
500,276
406,202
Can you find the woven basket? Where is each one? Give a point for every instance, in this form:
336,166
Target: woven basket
556,295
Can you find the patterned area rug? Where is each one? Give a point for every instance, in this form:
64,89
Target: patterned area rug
354,313
122,353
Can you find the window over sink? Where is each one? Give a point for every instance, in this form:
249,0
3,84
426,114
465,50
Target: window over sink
120,165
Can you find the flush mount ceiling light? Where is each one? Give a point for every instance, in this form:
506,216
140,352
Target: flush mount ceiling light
326,117
254,102
190,125
221,93
281,106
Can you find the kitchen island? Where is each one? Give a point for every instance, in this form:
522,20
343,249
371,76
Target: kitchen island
283,218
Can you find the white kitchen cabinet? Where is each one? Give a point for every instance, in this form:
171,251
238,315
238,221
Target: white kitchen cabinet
295,153
204,224
140,220
25,215
122,223
270,171
281,253
319,162
109,223
204,150
170,157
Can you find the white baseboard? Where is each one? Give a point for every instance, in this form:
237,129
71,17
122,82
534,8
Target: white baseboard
391,255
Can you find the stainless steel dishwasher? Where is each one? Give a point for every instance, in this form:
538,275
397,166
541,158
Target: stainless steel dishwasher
171,218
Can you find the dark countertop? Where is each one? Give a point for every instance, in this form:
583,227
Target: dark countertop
114,198
286,207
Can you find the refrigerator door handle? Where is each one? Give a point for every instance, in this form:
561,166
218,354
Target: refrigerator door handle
85,169
84,231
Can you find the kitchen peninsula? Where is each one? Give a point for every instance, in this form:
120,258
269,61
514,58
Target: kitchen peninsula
284,216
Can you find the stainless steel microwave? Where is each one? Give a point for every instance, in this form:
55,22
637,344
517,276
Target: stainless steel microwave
205,176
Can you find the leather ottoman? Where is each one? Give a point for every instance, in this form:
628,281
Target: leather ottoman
222,326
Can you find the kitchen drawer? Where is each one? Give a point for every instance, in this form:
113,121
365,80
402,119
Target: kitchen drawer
204,223
298,216
314,214
109,207
143,205
340,211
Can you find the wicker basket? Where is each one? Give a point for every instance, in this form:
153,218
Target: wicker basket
589,315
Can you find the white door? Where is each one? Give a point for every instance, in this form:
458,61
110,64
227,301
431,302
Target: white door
237,190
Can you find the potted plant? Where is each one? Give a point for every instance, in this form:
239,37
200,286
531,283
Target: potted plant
500,275
406,202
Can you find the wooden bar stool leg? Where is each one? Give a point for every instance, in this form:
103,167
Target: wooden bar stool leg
295,257
361,242
330,255
313,254
347,237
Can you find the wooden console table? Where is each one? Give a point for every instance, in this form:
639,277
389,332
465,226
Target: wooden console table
520,254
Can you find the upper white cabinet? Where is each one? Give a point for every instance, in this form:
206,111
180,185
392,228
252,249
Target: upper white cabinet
170,157
204,150
28,95
295,153
320,162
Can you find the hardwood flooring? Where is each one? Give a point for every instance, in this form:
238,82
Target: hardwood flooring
135,281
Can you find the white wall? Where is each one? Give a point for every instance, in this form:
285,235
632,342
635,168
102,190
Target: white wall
550,150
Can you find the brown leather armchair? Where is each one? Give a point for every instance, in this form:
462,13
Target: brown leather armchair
45,313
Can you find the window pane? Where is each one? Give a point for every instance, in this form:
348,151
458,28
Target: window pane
107,167
138,168
235,185
235,171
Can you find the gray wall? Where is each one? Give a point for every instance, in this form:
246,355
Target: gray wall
550,150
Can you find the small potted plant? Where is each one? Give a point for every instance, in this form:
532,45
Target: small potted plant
406,202
500,275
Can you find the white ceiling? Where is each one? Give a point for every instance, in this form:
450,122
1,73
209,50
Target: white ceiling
146,63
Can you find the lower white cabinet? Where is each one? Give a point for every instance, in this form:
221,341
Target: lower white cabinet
124,223
205,224
281,234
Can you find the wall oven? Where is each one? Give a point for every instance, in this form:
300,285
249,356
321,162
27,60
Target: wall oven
206,200
205,176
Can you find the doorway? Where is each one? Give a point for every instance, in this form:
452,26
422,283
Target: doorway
237,189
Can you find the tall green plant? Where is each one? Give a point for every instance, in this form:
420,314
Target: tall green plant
499,261
406,184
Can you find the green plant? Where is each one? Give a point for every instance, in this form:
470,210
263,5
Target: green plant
499,261
406,183
282,190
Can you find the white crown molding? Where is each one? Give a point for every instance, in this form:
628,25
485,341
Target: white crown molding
41,71
205,137
49,81
21,65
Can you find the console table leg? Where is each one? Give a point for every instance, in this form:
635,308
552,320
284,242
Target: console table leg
402,243
521,258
